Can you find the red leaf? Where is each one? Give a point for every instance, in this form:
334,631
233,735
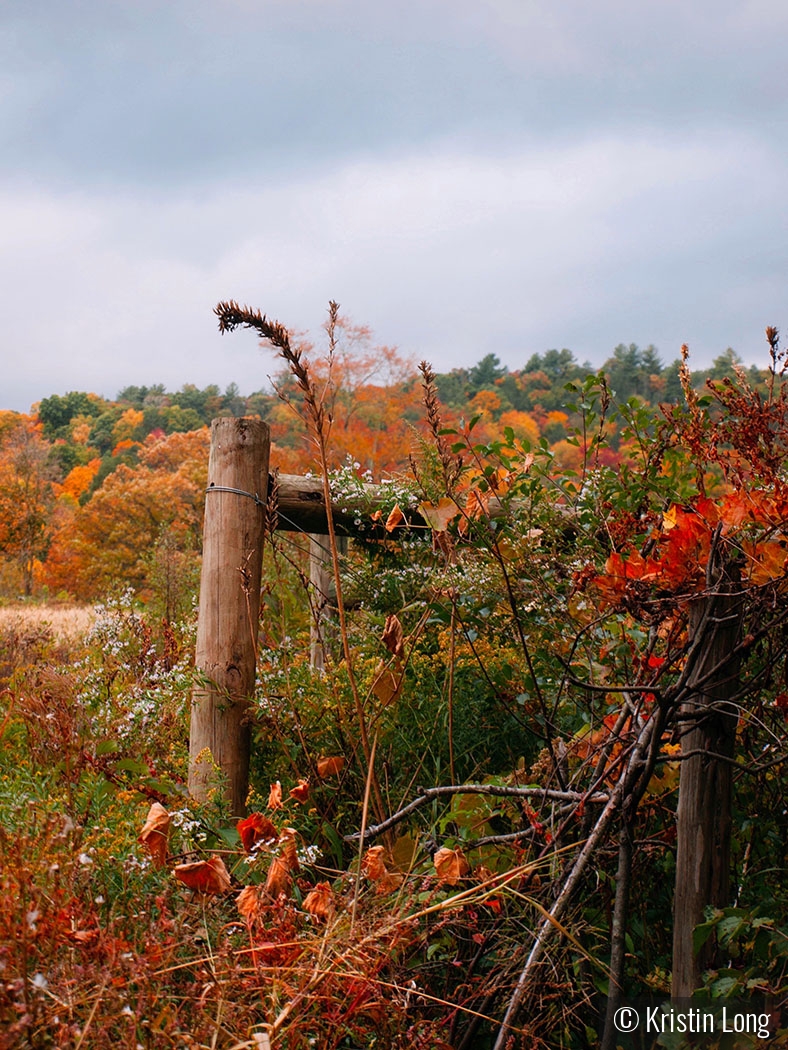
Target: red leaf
301,791
256,828
205,876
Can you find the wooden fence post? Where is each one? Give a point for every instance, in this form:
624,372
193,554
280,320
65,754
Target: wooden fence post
705,784
229,608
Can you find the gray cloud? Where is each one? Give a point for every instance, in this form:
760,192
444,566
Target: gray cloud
464,177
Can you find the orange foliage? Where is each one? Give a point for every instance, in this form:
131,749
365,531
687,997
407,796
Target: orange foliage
80,478
374,406
109,539
127,425
685,543
523,424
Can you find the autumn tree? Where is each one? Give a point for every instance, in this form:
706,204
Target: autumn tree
371,400
153,506
26,498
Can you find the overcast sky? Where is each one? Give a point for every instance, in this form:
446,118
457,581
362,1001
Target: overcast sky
465,176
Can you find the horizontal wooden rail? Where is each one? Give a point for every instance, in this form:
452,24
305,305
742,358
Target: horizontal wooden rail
301,508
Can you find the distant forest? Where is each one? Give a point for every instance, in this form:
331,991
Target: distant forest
96,494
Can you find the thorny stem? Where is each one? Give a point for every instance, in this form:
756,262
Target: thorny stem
625,797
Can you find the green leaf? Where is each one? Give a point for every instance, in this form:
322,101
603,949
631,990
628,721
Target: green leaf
107,747
132,765
334,841
700,935
230,836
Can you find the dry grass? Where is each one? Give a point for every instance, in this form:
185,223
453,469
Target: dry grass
67,623
34,636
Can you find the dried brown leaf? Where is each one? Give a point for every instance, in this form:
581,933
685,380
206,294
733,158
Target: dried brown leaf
395,518
386,685
288,849
275,796
373,864
205,876
249,903
330,767
301,791
319,902
392,636
278,881
451,865
155,834
438,515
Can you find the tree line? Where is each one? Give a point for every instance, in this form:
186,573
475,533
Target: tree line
99,493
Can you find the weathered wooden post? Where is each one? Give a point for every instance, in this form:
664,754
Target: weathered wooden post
704,807
229,608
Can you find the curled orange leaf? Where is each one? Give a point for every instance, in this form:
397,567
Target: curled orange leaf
155,834
319,902
301,791
330,767
205,876
451,865
275,796
287,848
249,904
395,518
278,881
392,636
373,864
